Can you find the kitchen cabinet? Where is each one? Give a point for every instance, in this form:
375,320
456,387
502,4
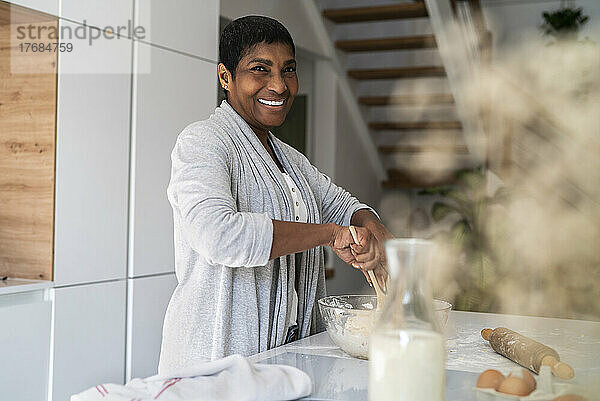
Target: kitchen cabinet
171,90
89,337
25,337
92,165
148,298
189,26
98,13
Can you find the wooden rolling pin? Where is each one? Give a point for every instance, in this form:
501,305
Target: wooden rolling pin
526,352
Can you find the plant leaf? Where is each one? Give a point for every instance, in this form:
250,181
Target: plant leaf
440,210
462,200
472,179
460,230
501,196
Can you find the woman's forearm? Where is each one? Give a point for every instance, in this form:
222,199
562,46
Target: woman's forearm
290,237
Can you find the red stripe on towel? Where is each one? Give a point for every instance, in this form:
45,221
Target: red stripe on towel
100,391
173,381
104,388
164,386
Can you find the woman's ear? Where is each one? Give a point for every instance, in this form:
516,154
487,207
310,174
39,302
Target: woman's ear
224,76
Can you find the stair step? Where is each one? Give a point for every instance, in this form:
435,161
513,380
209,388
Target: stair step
438,98
454,149
399,72
417,125
376,13
402,43
400,179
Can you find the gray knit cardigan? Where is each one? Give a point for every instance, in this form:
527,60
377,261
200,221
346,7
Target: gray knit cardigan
225,188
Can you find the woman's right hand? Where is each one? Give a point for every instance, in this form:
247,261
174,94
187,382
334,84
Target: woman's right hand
341,241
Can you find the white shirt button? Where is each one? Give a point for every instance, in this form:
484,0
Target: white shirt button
297,218
293,190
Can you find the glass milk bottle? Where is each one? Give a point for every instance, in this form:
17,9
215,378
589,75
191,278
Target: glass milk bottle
406,348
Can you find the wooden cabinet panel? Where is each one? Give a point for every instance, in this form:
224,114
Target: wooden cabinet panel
176,91
89,337
148,298
27,149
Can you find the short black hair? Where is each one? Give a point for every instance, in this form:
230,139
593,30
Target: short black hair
240,35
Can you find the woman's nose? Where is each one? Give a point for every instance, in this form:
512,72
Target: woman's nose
277,84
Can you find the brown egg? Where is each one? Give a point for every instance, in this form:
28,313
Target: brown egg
514,385
491,378
569,397
528,377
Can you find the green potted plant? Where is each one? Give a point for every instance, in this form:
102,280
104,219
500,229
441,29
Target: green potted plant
476,269
564,23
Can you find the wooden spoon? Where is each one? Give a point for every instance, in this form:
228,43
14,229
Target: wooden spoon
378,290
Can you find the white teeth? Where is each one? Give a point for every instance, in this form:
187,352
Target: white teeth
270,102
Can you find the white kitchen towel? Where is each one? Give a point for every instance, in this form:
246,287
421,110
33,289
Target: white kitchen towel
232,378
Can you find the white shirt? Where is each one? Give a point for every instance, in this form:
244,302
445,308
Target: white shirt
300,216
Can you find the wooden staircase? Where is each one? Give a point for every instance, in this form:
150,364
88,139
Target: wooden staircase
398,73
416,101
366,45
376,13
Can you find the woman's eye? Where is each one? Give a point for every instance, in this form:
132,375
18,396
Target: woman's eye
259,68
290,69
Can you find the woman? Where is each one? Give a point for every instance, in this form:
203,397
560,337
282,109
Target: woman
251,214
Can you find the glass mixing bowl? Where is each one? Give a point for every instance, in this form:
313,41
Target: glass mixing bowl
350,318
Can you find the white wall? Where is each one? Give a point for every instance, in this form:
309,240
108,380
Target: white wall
354,173
511,20
325,103
291,13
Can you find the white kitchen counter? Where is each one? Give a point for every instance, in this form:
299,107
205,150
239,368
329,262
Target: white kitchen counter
337,376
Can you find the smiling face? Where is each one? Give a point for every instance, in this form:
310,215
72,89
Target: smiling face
264,86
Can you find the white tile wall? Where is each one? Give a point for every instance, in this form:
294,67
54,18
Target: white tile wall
178,91
189,26
148,298
92,164
89,337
